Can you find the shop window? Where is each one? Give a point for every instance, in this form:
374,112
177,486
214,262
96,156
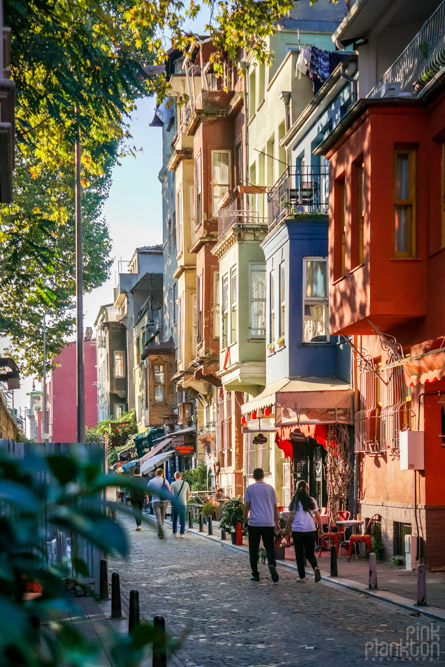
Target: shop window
257,301
404,202
257,456
119,364
159,383
315,300
220,177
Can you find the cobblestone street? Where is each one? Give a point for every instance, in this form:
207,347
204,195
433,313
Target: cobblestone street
204,592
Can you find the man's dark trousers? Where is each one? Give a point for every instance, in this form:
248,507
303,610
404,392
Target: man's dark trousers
255,534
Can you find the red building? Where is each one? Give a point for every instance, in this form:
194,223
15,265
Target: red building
61,394
387,292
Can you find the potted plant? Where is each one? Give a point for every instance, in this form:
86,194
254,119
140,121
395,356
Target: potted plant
208,509
280,342
232,514
271,347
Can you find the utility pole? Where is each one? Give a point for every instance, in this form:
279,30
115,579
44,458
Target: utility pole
79,295
44,420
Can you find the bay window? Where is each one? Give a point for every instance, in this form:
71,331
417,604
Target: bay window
282,289
159,383
315,300
404,202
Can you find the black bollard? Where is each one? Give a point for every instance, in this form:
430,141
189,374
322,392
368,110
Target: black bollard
201,523
133,613
190,519
421,585
159,652
223,534
116,606
103,591
372,571
209,525
334,570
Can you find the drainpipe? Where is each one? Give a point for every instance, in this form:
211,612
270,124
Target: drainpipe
285,97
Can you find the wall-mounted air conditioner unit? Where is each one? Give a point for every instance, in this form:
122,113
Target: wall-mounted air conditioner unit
412,450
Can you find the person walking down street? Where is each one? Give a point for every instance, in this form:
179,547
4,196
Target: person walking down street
137,496
304,513
261,502
181,491
157,484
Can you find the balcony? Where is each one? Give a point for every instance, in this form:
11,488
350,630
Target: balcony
299,191
419,63
246,205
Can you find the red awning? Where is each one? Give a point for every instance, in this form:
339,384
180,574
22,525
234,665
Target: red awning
428,368
317,431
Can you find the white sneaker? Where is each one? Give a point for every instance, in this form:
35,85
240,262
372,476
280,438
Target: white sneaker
138,527
182,535
175,534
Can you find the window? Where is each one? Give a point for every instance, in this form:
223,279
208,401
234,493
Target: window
238,164
257,300
170,308
233,303
404,202
225,310
220,177
199,335
272,306
119,410
174,231
216,305
179,219
343,229
169,237
198,182
262,83
252,93
358,212
181,330
339,227
282,288
159,383
257,455
119,364
175,304
315,301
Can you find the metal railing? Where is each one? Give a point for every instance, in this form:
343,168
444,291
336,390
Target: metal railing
300,190
422,59
233,214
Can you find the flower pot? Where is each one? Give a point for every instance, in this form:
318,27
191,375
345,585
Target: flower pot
233,537
280,553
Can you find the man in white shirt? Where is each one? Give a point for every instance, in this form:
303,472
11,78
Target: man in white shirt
181,491
261,502
160,503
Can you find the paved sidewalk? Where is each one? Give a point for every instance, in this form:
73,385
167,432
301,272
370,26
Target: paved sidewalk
395,584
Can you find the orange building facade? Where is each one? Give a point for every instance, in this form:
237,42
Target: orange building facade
387,295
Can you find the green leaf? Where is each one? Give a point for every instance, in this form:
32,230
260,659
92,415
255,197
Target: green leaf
19,496
64,468
80,567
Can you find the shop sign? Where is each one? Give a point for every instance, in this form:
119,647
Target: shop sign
183,449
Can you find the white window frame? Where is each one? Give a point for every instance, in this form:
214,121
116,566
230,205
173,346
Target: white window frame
312,301
282,299
116,363
257,336
216,307
220,185
225,310
272,310
198,184
179,223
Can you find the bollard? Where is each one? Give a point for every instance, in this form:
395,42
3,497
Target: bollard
239,534
116,606
372,571
133,613
209,526
190,519
201,523
159,652
334,569
223,534
421,585
103,594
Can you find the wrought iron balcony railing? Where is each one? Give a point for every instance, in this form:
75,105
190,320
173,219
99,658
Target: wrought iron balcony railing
422,59
233,214
300,190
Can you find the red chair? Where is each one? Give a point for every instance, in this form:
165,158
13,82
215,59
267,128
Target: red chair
366,537
334,537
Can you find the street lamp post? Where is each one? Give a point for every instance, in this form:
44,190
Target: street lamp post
79,296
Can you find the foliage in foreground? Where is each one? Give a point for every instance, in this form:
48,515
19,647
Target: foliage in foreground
68,489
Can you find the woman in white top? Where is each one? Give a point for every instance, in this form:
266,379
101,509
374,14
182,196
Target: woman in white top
303,515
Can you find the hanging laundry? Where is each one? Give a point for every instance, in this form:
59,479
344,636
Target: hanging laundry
303,62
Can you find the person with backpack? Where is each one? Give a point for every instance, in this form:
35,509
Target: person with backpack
181,492
137,497
304,513
159,490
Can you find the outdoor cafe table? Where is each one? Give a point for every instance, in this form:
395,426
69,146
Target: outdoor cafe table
349,523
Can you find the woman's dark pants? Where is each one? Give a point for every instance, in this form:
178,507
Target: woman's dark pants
304,545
